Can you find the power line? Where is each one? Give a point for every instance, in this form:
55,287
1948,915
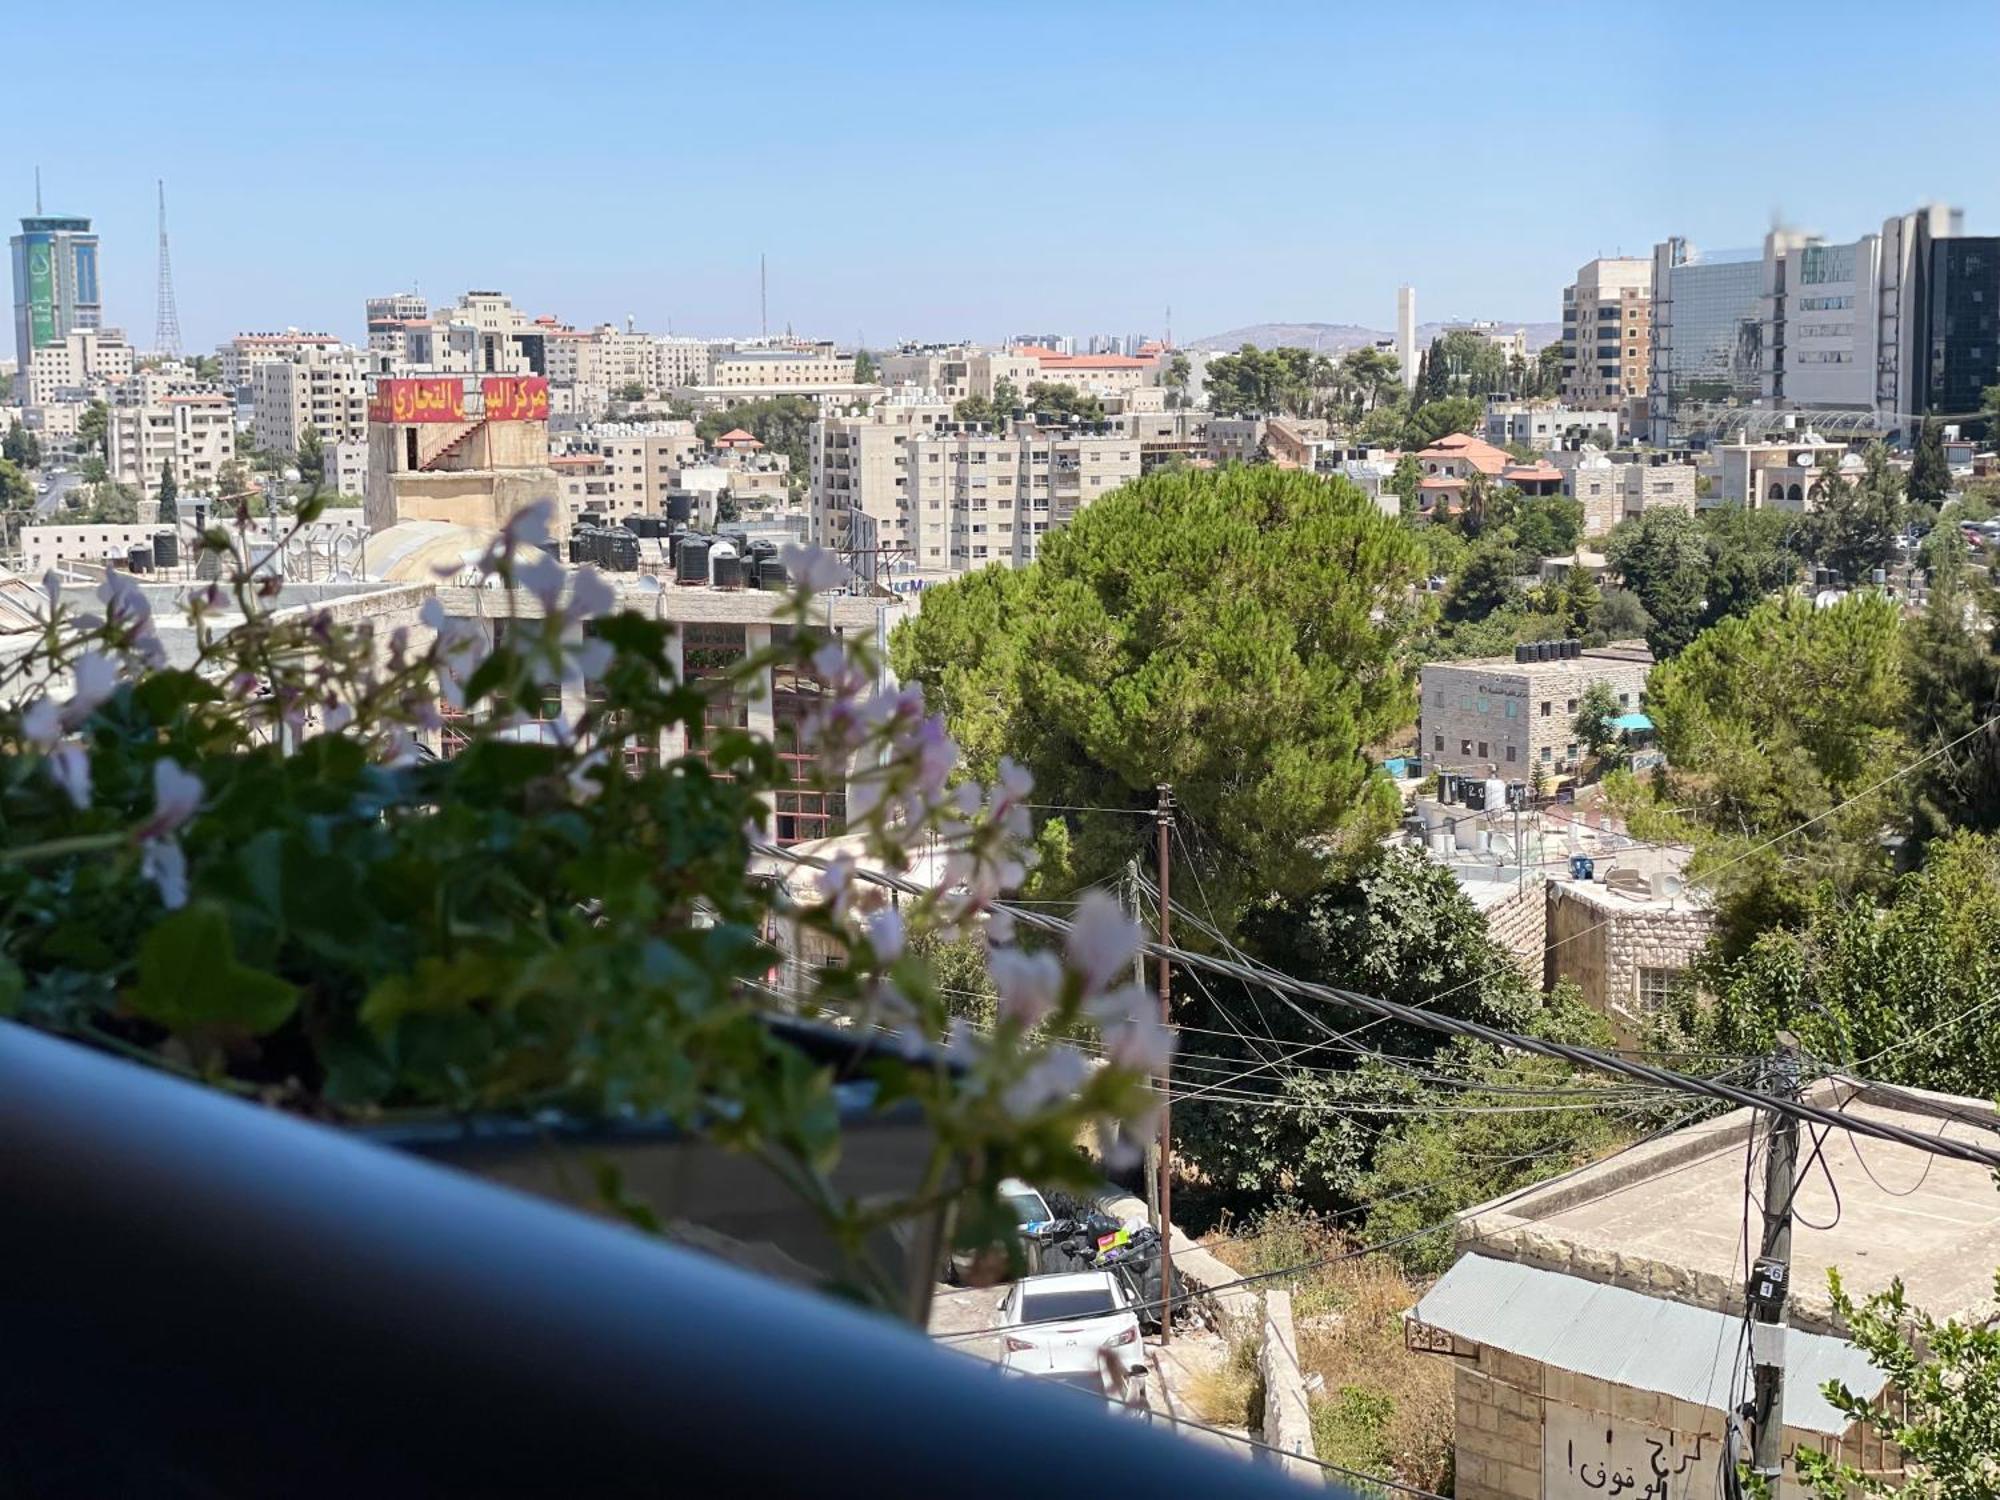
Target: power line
1331,1468
1588,1057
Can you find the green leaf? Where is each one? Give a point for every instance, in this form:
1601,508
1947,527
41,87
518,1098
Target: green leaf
13,987
189,977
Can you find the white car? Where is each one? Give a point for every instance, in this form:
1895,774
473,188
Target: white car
1077,1328
1029,1206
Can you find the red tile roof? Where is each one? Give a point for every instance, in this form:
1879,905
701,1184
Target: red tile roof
1481,454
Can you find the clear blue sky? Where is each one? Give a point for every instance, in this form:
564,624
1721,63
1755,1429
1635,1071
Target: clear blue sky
940,169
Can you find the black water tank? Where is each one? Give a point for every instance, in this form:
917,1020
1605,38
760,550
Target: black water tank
728,570
621,551
139,558
1572,649
166,549
579,547
1524,653
771,575
691,562
680,506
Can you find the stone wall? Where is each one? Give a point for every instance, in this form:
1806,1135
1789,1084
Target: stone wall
1287,1411
1601,941
1519,923
1518,1423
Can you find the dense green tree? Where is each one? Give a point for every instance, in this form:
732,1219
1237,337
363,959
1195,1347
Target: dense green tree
1239,633
866,370
170,493
1788,718
232,481
1930,475
979,410
1440,418
1367,378
311,455
1548,525
1400,927
783,424
1175,377
1594,712
1485,583
1581,602
1662,558
1752,554
16,492
21,447
92,469
1954,671
1253,382
1436,384
112,504
1620,617
1854,529
1945,1420
91,428
1406,483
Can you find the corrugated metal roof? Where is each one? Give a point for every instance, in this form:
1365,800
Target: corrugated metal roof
1630,1339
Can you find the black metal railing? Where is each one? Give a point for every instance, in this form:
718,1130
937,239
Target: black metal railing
203,1297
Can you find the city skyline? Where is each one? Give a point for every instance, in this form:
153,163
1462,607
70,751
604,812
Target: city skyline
950,179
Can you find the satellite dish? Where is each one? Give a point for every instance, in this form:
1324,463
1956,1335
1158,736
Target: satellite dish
343,575
346,543
648,584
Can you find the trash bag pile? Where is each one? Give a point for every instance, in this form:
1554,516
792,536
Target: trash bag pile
1085,1238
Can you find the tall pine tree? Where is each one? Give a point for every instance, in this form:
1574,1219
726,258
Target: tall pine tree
170,495
1437,373
1930,476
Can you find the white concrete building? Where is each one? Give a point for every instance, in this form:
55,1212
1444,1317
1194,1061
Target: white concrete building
1503,716
196,434
326,390
79,366
246,351
346,466
1607,331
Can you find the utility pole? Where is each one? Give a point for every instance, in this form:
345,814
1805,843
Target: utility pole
1770,1279
1152,1167
1163,819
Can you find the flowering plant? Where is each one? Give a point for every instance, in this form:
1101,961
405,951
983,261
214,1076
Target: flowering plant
255,868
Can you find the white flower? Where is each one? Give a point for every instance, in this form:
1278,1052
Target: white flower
813,570
69,768
999,927
162,862
836,886
529,526
1102,940
588,661
542,576
1029,983
967,797
1013,785
337,718
589,595
41,724
96,680
1141,1044
885,934
584,783
123,600
176,797
1058,1074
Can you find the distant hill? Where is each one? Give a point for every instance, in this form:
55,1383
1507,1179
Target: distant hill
1338,338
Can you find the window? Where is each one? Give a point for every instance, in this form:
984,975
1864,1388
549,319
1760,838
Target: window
1571,753
1510,753
1545,708
1513,708
1548,752
1437,743
1624,700
1465,747
1656,987
1572,706
1483,752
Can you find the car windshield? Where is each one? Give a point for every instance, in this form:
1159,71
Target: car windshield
1083,1302
1027,1208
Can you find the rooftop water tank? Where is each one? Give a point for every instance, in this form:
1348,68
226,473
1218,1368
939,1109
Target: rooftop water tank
725,566
166,549
691,563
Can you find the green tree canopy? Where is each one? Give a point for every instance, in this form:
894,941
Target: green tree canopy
783,424
170,493
1282,382
866,370
1773,720
1854,529
1594,712
91,428
1548,525
16,492
1930,475
21,447
1439,418
1238,633
1065,401
1663,559
311,455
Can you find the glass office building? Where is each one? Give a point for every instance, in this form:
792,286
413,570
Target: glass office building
1962,337
55,282
1708,340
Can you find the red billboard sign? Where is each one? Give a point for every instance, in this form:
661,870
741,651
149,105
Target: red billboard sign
438,398
516,398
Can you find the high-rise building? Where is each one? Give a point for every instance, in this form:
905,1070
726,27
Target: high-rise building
1707,346
387,317
1961,348
55,282
1406,334
1607,331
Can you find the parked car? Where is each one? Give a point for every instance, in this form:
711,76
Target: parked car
1077,1328
1029,1208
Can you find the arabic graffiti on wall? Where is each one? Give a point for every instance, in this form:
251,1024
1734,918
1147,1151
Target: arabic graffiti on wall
431,399
516,398
1587,1455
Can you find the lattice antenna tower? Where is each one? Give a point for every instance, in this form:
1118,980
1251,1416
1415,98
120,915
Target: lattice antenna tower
167,321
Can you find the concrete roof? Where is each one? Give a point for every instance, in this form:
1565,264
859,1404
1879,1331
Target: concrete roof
1678,1204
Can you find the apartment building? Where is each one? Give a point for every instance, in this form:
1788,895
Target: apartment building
195,434
483,333
1612,491
780,368
1545,426
1607,331
681,362
387,317
346,466
153,385
955,371
1097,374
242,354
326,391
1505,716
78,366
944,497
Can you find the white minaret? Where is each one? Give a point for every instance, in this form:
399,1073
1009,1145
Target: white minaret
1406,334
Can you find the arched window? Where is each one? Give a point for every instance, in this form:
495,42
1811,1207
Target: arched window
1796,496
1777,491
